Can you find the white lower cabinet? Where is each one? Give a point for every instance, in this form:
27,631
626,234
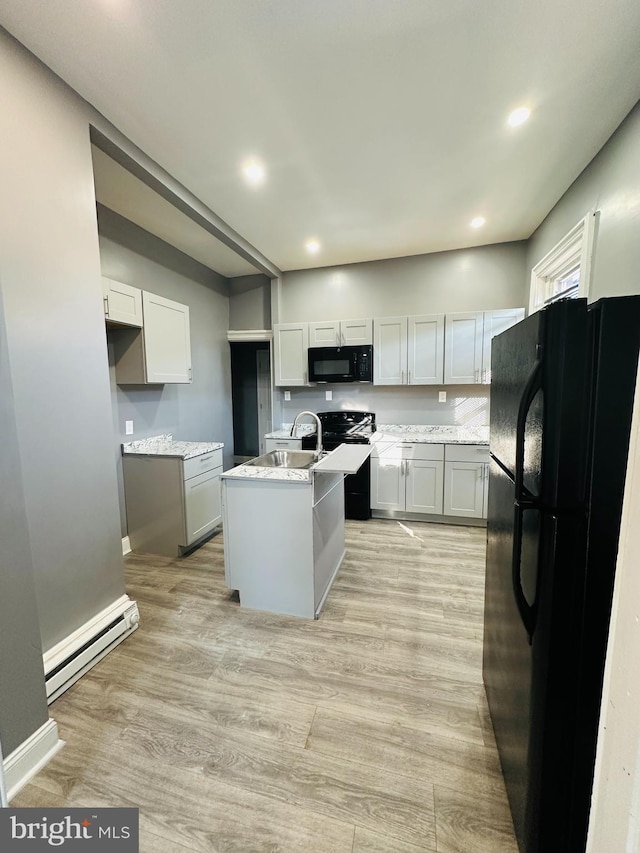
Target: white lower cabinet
407,477
171,502
282,444
466,480
430,479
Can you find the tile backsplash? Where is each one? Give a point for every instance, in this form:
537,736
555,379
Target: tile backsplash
466,405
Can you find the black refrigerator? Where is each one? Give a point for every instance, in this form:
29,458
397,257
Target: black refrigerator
562,393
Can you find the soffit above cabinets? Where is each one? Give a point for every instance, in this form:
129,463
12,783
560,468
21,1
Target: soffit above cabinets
121,191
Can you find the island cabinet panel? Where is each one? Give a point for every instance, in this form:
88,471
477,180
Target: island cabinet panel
283,540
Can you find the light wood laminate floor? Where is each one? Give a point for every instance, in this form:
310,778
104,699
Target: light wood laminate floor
365,731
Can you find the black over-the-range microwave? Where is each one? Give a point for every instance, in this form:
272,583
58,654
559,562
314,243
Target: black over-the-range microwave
341,364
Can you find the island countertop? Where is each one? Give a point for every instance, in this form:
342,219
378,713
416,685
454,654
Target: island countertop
164,445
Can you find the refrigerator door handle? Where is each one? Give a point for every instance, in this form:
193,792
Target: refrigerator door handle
523,500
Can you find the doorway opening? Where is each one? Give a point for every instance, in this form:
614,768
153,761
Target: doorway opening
251,397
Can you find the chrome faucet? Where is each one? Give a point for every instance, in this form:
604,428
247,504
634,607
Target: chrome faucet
318,429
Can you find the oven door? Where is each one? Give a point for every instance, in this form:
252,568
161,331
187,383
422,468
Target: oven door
332,364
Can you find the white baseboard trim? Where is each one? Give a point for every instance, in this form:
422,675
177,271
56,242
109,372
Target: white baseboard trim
126,546
84,647
30,757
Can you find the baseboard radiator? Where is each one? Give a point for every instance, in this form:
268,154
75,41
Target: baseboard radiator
68,660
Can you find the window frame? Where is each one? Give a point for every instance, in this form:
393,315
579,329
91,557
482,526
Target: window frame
575,250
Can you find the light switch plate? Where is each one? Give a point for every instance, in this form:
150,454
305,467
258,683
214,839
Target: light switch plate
442,396
128,427
287,396
328,395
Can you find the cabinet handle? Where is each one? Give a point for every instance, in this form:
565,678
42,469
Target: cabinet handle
304,381
190,375
402,377
106,306
409,377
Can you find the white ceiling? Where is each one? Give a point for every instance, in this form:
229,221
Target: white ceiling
381,122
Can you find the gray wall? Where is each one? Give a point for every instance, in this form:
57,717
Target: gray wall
200,411
445,282
250,302
462,280
57,346
611,185
23,703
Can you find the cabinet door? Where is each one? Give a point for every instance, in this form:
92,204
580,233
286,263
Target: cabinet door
326,334
356,332
485,494
122,303
426,349
202,504
464,489
390,351
424,480
387,483
291,341
463,348
496,322
167,340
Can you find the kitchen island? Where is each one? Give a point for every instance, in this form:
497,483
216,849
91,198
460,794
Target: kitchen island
284,531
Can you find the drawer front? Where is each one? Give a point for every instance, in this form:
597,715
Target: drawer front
280,443
466,453
407,450
200,464
422,451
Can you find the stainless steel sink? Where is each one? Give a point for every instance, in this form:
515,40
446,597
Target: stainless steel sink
284,459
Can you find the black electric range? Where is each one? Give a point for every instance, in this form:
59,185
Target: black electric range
348,427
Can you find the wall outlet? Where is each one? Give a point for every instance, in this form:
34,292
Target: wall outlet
328,395
128,427
442,396
287,396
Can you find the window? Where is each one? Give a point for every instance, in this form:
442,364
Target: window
564,272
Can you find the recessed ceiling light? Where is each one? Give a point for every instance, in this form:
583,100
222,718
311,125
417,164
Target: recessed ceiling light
254,172
518,116
312,246
477,222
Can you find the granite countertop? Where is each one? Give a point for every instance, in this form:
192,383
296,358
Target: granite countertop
423,434
285,432
164,445
255,472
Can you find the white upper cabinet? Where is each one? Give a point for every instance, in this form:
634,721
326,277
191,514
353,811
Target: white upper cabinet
390,351
167,339
291,342
340,333
160,351
463,348
356,332
122,303
426,350
409,350
468,343
496,322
